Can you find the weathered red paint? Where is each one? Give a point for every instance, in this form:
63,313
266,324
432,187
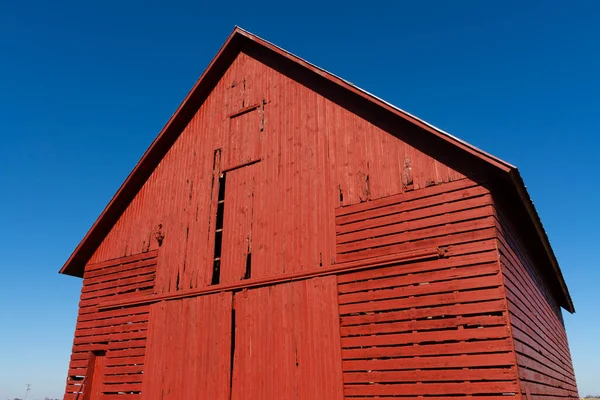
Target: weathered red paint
289,236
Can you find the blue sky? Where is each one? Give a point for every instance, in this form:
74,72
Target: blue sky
84,89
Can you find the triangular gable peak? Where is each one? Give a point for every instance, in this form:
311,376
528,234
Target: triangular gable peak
417,133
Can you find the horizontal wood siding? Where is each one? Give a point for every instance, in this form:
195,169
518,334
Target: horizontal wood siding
121,333
540,339
315,156
438,328
457,212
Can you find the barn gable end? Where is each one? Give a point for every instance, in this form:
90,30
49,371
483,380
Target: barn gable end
287,219
313,157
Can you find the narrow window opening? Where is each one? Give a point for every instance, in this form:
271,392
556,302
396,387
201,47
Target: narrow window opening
218,243
216,272
220,209
216,277
222,187
248,273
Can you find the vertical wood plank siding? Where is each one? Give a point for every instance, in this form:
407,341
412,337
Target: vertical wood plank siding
189,349
280,342
121,333
437,328
287,342
540,339
316,156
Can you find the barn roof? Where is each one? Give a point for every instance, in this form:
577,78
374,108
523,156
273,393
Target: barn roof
242,39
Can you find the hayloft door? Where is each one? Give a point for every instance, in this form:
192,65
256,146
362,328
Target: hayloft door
236,253
286,342
238,170
245,130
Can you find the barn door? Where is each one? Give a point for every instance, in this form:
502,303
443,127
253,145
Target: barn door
237,170
287,342
189,349
245,130
238,218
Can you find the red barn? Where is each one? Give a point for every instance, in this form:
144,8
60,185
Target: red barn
291,236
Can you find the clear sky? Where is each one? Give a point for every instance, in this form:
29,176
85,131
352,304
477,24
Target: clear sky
84,90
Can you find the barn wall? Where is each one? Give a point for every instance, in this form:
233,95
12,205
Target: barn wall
314,156
120,334
435,328
540,339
